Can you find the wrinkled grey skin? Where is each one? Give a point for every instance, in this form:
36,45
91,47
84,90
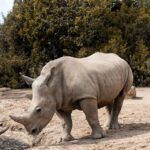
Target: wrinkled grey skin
71,83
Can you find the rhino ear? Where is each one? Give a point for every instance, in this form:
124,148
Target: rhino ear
49,77
27,79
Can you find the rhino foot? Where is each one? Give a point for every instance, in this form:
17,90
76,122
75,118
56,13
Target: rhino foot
95,136
112,126
66,138
115,126
98,135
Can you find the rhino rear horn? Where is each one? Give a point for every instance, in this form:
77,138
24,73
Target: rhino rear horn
27,79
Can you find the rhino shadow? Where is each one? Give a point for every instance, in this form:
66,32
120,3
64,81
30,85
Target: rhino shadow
129,130
7,143
126,131
137,98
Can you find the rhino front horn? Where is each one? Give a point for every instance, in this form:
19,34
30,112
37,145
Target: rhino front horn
19,119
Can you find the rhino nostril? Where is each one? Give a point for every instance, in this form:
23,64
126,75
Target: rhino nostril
33,131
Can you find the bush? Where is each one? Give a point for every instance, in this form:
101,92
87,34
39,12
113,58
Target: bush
38,31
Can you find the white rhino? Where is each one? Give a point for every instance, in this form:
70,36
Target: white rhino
71,83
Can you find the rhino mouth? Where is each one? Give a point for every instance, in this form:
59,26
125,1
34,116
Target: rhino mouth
34,131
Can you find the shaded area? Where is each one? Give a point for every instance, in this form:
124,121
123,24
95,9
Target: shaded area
12,144
137,98
129,130
126,131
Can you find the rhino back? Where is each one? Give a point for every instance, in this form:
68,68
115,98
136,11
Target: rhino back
103,77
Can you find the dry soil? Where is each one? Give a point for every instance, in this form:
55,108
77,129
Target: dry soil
134,133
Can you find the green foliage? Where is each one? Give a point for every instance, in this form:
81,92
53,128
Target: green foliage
10,67
38,31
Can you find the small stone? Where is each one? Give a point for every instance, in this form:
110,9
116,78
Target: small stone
131,93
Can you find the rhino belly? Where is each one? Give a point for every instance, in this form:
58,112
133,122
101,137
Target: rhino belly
108,95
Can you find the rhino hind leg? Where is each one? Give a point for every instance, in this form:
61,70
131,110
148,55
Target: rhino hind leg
113,112
89,108
67,126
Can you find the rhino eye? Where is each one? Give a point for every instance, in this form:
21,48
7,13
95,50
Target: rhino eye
38,109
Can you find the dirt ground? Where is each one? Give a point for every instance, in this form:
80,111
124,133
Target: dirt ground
134,133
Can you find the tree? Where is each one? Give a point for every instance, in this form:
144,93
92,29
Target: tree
38,31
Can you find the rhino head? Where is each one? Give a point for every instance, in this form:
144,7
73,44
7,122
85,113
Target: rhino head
42,107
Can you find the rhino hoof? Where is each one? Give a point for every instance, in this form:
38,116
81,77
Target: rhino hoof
66,138
97,135
112,126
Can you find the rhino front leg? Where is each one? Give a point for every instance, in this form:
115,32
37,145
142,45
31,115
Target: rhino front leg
89,107
66,124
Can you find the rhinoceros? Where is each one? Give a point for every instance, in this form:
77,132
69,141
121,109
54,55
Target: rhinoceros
69,83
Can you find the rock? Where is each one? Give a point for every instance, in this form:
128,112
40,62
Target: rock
131,93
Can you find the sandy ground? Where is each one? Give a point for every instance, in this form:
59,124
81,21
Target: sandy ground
134,133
